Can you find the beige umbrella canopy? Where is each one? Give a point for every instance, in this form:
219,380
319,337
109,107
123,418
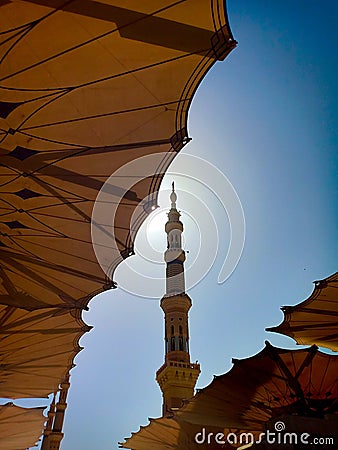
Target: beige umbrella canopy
273,383
20,427
171,433
86,88
315,320
37,349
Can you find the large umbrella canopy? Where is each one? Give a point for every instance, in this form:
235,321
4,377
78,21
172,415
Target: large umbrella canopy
171,433
87,87
37,349
20,427
267,385
315,320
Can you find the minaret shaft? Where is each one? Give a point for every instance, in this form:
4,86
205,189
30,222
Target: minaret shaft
174,256
177,377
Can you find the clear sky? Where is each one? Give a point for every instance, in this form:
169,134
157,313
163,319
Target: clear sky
267,118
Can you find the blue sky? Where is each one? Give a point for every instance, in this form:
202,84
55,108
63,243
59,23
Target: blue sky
267,118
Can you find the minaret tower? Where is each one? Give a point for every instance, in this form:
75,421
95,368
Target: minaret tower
177,376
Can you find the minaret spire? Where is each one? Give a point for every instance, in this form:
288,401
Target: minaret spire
177,377
173,196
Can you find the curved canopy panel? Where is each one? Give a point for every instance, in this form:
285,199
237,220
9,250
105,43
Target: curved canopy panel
37,349
87,87
273,383
315,320
171,433
20,427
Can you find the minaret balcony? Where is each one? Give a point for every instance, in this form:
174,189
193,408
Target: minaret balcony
176,303
173,223
181,365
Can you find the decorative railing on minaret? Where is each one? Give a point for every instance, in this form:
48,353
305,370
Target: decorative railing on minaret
177,376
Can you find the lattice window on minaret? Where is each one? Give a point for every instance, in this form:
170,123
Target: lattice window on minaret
180,343
172,344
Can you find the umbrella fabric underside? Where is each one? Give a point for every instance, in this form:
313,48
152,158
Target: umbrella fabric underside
272,383
86,89
20,427
315,320
38,348
241,403
171,433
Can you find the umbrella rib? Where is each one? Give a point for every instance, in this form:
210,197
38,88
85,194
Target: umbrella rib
71,238
96,116
41,331
292,382
9,311
67,202
318,311
312,326
325,372
13,170
51,233
69,349
46,264
73,304
53,98
35,318
29,27
11,366
52,141
17,244
81,180
37,278
7,282
73,301
89,41
332,337
307,361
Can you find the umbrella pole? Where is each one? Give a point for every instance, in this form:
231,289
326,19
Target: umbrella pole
55,436
49,425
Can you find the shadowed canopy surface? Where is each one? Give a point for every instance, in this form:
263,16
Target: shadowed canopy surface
315,320
273,383
85,88
171,433
38,348
20,427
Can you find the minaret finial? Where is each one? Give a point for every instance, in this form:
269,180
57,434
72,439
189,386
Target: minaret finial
173,196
